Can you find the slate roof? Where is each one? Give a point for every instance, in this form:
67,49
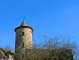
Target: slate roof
2,52
23,23
5,53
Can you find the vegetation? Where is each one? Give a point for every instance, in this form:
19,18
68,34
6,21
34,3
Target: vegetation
7,48
57,48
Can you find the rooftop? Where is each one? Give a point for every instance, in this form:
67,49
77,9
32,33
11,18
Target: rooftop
23,23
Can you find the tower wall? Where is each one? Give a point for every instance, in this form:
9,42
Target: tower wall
23,39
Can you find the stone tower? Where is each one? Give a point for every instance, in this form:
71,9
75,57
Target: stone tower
23,37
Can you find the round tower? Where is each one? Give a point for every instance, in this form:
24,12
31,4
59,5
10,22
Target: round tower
23,37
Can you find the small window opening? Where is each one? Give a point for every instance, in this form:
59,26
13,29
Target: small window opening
31,31
23,44
22,33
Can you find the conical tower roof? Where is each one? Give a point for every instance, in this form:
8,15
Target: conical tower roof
23,23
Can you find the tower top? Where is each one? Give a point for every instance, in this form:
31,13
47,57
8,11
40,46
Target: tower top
23,23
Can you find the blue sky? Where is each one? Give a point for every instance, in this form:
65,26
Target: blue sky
47,17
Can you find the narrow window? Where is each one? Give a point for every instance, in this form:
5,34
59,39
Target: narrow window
31,31
22,33
23,44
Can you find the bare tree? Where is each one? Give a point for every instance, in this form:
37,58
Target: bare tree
57,48
7,48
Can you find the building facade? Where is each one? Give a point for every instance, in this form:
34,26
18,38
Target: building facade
23,37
